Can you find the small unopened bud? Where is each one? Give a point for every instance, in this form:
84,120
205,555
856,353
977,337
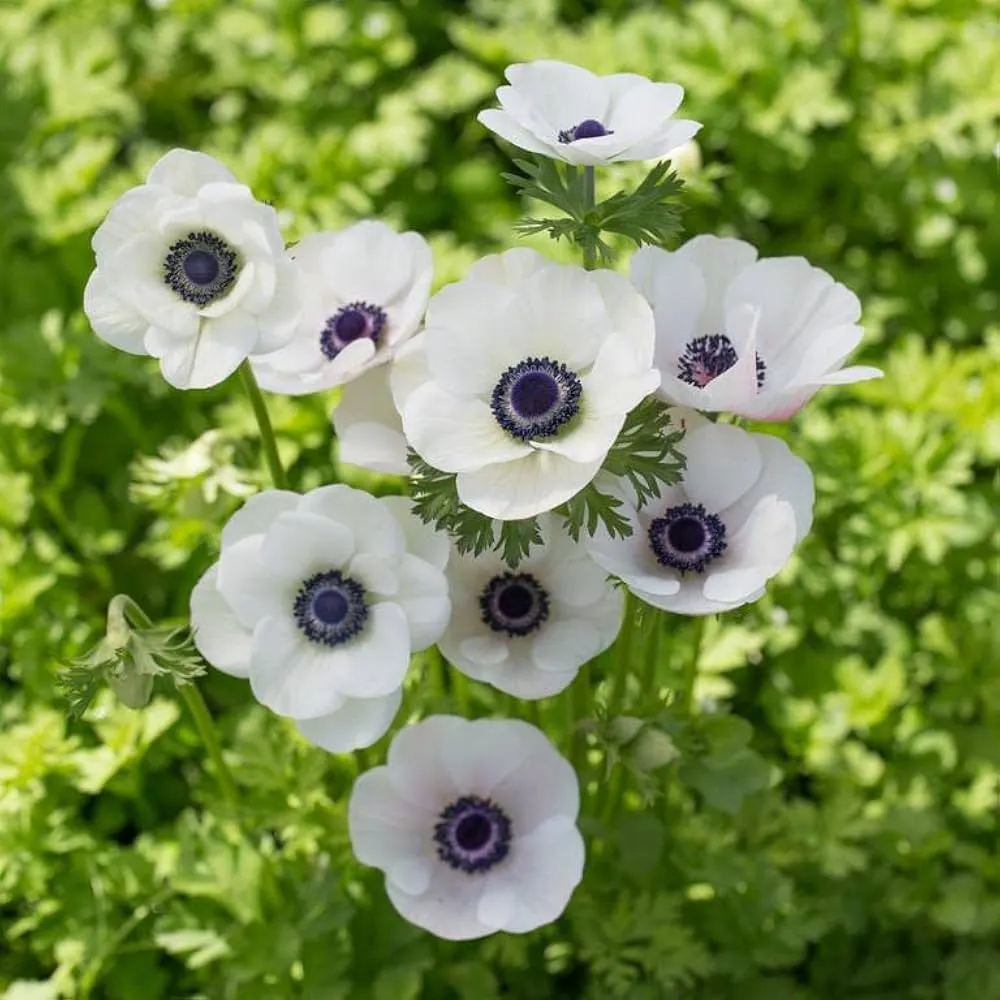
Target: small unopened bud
652,749
625,728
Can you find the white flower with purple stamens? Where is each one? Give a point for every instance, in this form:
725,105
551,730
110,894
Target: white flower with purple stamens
532,368
570,114
192,270
319,600
474,825
365,291
712,542
528,631
753,337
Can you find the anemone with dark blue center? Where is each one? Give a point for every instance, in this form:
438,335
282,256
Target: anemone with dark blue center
706,358
687,538
535,398
331,608
350,323
589,128
473,835
515,603
201,267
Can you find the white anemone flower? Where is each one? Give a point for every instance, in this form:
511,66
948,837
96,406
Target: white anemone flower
364,294
532,368
712,542
753,337
367,425
474,825
192,270
319,600
568,113
527,631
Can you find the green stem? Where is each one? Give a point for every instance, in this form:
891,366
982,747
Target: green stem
206,730
590,199
690,676
623,656
651,656
267,438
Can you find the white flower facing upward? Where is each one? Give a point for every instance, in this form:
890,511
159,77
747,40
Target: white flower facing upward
570,114
532,368
753,337
474,825
365,291
319,600
192,270
528,631
712,542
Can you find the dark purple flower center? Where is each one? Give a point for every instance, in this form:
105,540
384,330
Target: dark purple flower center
706,358
589,128
201,268
534,398
473,834
687,538
350,323
330,608
515,603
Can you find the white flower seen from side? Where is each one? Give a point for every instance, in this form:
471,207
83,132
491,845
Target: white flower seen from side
712,542
568,113
532,368
364,294
319,600
753,337
474,825
367,424
527,631
192,270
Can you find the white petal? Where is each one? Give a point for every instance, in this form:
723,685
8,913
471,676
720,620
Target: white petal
369,429
477,652
563,94
422,540
378,575
248,587
135,213
217,633
416,768
631,318
456,434
675,289
497,905
298,544
661,143
505,126
565,645
719,260
723,463
375,529
384,827
509,268
186,171
371,262
525,487
257,514
114,320
755,553
447,909
578,582
210,357
408,371
276,322
423,596
358,723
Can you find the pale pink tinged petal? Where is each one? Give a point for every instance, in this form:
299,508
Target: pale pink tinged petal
737,386
541,785
185,171
468,336
375,529
422,540
384,827
754,554
248,587
416,767
503,125
563,94
723,463
447,909
257,514
358,723
455,434
566,645
525,487
114,320
813,353
408,370
676,291
299,544
217,633
547,867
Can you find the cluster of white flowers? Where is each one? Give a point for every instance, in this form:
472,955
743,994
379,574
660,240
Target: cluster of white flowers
516,382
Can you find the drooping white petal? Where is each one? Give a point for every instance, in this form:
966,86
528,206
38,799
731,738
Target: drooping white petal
358,723
217,633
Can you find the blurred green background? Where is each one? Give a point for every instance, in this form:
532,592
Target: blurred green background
859,134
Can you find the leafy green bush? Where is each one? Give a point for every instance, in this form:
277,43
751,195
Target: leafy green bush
845,844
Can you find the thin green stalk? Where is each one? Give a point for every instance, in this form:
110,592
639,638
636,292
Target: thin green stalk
578,703
590,199
623,657
651,655
267,438
206,730
690,675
